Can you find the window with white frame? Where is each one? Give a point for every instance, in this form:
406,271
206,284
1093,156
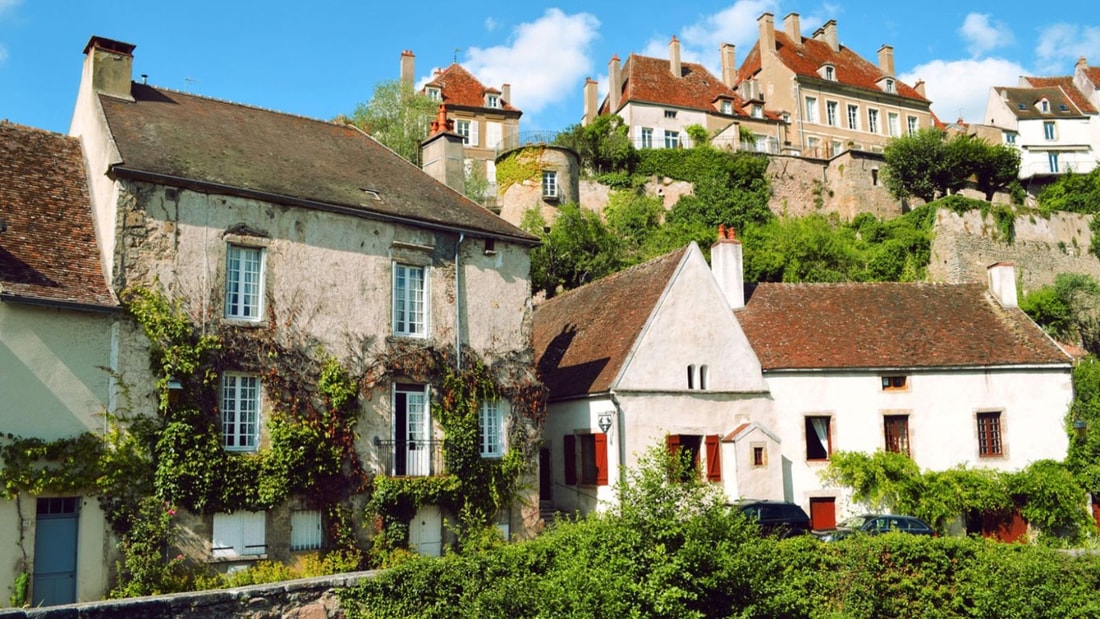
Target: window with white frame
727,107
811,110
410,316
490,426
872,121
433,94
494,134
819,437
893,124
240,411
757,111
830,73
853,117
1052,161
1010,137
1048,130
468,130
911,124
672,139
890,85
830,113
244,279
549,184
239,534
646,137
492,100
305,529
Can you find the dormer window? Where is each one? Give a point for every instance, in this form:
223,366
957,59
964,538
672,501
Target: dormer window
1044,105
889,86
727,107
828,72
433,93
492,100
1062,107
758,111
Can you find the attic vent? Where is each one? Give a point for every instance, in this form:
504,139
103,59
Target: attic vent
1021,106
1063,107
371,193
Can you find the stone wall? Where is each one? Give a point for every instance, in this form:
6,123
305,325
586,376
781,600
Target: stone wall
307,598
964,245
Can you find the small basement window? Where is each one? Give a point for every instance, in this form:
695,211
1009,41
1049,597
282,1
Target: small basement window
894,383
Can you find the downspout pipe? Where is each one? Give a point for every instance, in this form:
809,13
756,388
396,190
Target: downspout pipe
620,417
458,302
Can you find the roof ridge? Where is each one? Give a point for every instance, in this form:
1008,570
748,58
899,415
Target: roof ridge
246,105
618,275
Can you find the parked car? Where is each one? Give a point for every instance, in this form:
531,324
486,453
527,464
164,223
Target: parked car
874,524
778,518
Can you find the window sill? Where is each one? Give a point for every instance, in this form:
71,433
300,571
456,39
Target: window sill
237,559
245,323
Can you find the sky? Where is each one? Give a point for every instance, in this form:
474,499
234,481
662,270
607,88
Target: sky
324,57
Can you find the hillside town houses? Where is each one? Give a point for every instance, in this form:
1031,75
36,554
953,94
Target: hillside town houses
283,233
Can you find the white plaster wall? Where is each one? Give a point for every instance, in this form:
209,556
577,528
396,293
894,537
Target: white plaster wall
653,116
942,422
1068,133
51,382
580,416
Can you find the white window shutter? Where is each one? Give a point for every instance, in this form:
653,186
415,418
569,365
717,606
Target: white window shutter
252,533
473,133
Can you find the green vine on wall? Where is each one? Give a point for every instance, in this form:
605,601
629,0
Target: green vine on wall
519,166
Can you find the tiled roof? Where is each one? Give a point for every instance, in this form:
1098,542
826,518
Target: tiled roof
805,60
889,325
1093,73
1022,102
48,252
650,80
1068,88
459,87
582,337
173,134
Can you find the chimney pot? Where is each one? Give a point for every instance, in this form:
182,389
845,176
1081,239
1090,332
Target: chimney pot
1002,282
674,57
729,65
830,35
792,26
591,100
614,84
727,264
408,68
109,64
886,60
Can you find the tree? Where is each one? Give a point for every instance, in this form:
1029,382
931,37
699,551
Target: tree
398,117
603,145
698,134
579,248
1077,193
917,165
996,168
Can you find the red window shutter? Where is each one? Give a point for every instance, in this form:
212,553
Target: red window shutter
673,442
601,459
570,460
714,458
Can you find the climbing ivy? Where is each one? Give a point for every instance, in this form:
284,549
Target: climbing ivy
519,166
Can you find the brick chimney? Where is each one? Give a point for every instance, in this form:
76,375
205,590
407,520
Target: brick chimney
766,25
886,60
591,100
441,153
729,65
1002,282
108,67
727,264
919,87
792,26
408,67
830,36
506,92
674,57
614,84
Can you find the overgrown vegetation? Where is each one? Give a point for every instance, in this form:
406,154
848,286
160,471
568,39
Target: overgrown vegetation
674,550
397,116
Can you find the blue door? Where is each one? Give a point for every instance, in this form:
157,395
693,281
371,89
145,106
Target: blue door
54,579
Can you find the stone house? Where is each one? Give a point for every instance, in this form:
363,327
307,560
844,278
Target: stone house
835,99
59,329
658,99
280,232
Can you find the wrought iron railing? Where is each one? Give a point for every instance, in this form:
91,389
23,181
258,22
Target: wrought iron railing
526,138
401,458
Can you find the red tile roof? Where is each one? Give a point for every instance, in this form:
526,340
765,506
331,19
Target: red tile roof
48,253
805,60
889,325
650,80
459,87
1066,85
582,337
174,135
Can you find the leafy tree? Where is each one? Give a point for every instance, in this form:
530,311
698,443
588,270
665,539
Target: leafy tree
916,165
603,145
996,168
1076,193
698,134
398,117
634,218
579,248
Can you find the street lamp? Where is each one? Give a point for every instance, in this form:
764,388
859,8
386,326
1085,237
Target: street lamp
604,422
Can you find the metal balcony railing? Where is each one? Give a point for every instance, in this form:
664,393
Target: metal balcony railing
401,458
526,138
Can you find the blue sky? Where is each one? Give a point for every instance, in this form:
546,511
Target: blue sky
321,58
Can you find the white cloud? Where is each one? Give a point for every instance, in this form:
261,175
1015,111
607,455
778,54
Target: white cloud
1061,44
983,35
961,87
564,40
490,24
6,5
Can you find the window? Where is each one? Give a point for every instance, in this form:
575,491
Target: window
758,111
305,529
494,135
240,412
811,110
813,143
893,124
819,437
1052,161
490,427
433,94
239,534
830,113
989,435
492,100
872,121
853,117
585,459
1010,137
409,298
1044,105
646,137
890,85
672,139
704,376
727,107
830,74
670,113
691,377
244,272
759,456
549,184
896,433
874,175
412,444
911,123
1048,130
893,383
468,130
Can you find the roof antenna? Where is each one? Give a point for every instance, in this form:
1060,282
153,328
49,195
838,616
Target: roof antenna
144,79
189,81
457,49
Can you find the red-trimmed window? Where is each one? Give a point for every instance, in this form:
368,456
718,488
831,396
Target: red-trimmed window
586,459
714,458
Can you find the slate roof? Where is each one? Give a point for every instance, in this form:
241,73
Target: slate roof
185,138
1068,88
1022,103
650,80
582,337
48,252
806,58
459,87
889,325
